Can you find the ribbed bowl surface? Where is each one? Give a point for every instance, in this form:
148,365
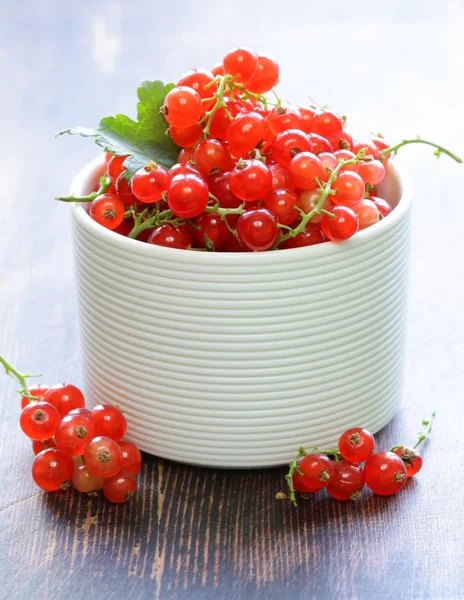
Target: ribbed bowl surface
236,360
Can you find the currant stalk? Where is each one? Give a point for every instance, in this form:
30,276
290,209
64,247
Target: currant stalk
20,378
439,150
105,183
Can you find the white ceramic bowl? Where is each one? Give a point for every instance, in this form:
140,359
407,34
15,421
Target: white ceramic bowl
236,360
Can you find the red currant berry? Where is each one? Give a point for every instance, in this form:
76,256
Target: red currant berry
39,445
108,210
85,482
349,189
65,397
308,201
329,163
149,183
304,169
368,145
319,144
372,172
280,178
108,421
344,142
250,180
116,167
219,186
282,203
299,485
385,473
182,169
382,205
39,420
170,237
347,481
120,487
307,116
187,136
198,79
73,435
281,118
342,226
220,121
82,412
103,456
52,470
213,228
242,62
316,471
125,228
368,213
182,107
187,196
212,154
346,155
185,155
123,190
131,457
258,229
288,144
218,69
311,236
245,132
327,124
38,391
411,458
266,76
356,445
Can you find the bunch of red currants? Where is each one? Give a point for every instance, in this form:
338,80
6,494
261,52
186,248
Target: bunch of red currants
252,174
341,470
72,443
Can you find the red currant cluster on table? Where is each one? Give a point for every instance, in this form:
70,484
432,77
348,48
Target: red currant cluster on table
251,174
74,444
344,471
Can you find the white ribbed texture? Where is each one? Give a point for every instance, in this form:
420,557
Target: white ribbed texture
236,360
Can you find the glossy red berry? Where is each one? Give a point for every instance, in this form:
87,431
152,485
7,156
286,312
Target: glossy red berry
108,210
327,124
198,79
185,155
346,155
385,473
108,421
282,203
280,178
218,69
304,170
149,183
319,144
258,229
411,458
52,470
372,172
242,62
182,107
187,196
308,201
311,236
307,115
347,481
220,121
123,190
183,169
39,445
344,142
342,226
103,457
170,237
368,213
186,136
369,147
131,457
116,167
266,76
281,118
288,144
73,435
214,228
356,444
83,412
349,189
120,487
250,180
329,163
316,471
383,206
85,482
245,133
38,391
65,397
39,420
219,186
210,155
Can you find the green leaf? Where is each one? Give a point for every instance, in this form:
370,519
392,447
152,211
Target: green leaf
143,140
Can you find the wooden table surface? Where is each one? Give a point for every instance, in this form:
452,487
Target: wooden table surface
191,532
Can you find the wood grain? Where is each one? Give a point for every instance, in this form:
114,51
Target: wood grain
199,533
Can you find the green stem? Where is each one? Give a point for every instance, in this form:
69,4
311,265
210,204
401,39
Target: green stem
105,183
439,149
219,95
19,378
427,431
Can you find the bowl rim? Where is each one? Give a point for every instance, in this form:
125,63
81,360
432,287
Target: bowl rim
151,250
